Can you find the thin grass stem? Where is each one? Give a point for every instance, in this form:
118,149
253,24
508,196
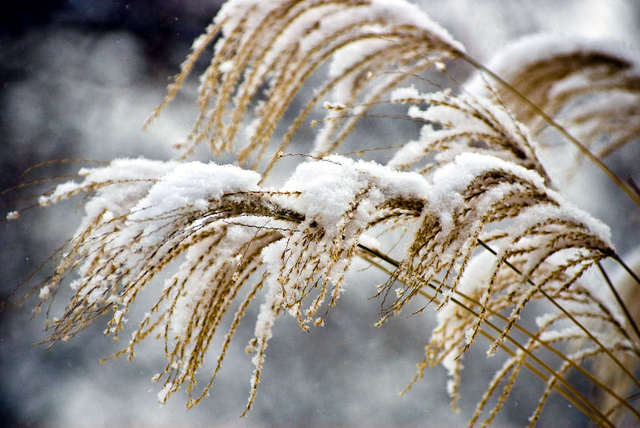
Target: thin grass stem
626,267
619,299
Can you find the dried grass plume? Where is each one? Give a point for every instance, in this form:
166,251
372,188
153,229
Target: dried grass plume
487,235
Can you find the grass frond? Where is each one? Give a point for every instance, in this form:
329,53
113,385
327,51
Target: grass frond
489,241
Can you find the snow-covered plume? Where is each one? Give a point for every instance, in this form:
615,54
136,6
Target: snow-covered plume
463,123
300,240
275,46
591,86
483,232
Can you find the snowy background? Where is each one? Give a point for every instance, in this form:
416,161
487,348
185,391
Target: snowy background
78,78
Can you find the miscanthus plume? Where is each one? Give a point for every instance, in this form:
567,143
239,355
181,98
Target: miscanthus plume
485,232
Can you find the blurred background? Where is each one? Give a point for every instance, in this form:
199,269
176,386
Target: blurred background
77,80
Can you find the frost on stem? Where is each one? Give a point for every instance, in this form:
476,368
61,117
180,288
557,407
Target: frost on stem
487,234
